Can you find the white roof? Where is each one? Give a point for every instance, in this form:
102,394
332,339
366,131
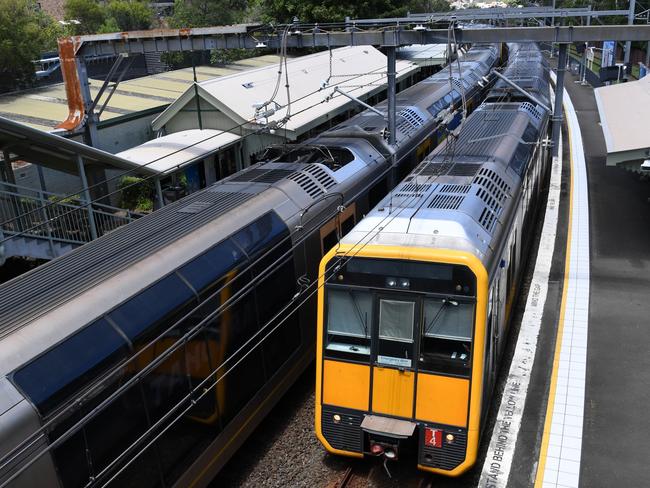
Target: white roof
624,111
358,70
178,149
424,54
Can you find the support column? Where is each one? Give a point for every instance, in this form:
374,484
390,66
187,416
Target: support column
559,91
392,117
630,21
159,193
196,93
86,192
90,124
8,169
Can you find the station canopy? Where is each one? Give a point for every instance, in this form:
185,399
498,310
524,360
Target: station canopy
624,111
168,153
358,70
56,152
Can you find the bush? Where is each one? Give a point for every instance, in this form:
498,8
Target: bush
136,193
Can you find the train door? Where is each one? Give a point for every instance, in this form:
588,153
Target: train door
394,355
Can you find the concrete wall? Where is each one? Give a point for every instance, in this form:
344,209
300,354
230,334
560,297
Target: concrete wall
55,181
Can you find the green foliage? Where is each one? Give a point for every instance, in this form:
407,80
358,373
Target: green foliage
425,6
225,56
115,16
283,11
136,193
25,32
204,13
90,13
130,14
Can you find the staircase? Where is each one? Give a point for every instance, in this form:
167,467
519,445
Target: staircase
44,225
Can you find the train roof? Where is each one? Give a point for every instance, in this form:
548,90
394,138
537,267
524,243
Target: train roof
300,182
421,102
460,197
527,68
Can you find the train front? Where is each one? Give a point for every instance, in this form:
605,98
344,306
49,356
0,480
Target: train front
400,354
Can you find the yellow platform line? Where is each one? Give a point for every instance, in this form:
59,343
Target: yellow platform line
539,477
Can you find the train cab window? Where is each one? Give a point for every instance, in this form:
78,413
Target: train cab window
65,369
396,320
446,342
349,318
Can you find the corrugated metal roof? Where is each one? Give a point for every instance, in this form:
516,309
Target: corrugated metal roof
624,111
358,70
43,108
178,149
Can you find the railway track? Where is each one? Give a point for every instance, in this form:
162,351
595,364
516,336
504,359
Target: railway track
353,477
363,476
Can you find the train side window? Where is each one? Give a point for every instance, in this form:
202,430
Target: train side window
347,225
349,321
105,437
274,296
64,370
212,264
150,312
260,235
329,241
446,342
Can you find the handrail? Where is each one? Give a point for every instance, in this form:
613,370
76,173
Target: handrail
37,214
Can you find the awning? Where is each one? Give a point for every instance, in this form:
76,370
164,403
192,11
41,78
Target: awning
179,149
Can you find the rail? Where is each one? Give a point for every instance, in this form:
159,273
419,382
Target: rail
44,215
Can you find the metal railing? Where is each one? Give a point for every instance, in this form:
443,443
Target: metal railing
27,212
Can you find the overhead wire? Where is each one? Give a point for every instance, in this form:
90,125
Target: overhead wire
151,366
88,391
135,170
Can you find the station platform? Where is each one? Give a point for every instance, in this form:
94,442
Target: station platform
573,409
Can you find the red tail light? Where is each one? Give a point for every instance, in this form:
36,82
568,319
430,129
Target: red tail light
376,449
432,437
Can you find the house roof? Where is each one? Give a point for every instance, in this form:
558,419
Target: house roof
358,70
43,108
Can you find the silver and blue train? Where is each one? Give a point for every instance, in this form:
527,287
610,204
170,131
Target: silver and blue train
145,358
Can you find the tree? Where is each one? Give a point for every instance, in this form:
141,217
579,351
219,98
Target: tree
205,13
283,11
128,15
89,13
426,6
25,32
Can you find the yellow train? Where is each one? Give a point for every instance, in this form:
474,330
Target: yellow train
414,302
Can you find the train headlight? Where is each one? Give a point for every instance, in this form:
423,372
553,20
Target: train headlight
450,438
404,283
391,282
336,418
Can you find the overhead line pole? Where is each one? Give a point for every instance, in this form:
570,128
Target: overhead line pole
630,21
559,92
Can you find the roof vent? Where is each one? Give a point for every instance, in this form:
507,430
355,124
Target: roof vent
531,110
409,121
321,175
